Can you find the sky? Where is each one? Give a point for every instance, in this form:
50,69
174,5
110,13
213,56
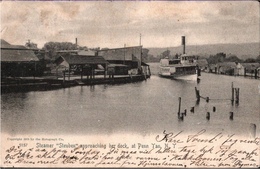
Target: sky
114,24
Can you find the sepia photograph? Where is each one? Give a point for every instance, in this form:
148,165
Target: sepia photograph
155,84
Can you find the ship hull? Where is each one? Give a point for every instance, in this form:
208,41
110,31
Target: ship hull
189,77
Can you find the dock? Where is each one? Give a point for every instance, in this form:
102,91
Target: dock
23,84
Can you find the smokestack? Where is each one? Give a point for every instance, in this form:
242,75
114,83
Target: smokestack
183,43
76,41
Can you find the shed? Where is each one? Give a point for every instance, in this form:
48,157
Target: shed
81,64
202,64
229,68
18,61
130,56
247,68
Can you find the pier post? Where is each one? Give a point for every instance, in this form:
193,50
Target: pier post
208,116
214,108
185,112
255,73
231,114
192,109
237,95
207,99
179,110
180,117
197,94
232,89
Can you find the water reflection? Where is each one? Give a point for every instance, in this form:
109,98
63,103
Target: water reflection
144,108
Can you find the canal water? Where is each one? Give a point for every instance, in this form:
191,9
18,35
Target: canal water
143,108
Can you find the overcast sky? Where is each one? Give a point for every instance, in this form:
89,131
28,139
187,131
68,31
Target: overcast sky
113,24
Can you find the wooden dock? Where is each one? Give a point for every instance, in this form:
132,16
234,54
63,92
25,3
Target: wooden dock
41,84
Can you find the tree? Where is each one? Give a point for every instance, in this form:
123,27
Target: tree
31,45
165,53
51,48
250,60
232,58
219,57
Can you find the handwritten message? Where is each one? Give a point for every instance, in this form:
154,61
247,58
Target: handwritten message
167,149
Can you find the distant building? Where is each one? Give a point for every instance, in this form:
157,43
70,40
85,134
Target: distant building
247,68
128,56
202,64
81,64
18,61
229,68
211,68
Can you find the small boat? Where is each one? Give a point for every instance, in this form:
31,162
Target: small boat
183,67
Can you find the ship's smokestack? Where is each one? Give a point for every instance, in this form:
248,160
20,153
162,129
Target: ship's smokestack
183,43
76,41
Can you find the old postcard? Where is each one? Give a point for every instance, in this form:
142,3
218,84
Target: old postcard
162,84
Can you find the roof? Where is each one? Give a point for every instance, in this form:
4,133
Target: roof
82,59
202,62
144,64
117,65
16,55
86,52
250,65
127,53
227,64
6,45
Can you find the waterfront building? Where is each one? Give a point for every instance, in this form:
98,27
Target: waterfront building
18,61
247,69
202,64
229,68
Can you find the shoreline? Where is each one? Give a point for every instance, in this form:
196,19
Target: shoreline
25,84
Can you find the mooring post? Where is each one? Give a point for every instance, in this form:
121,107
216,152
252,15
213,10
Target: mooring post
179,110
181,117
232,88
208,116
214,108
185,112
197,94
231,115
207,99
192,109
237,95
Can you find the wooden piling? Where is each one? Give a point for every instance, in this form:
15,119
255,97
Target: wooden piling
207,99
192,109
185,112
197,94
208,116
232,89
180,117
231,115
214,108
179,110
237,95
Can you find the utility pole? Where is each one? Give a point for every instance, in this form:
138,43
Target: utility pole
140,43
124,53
